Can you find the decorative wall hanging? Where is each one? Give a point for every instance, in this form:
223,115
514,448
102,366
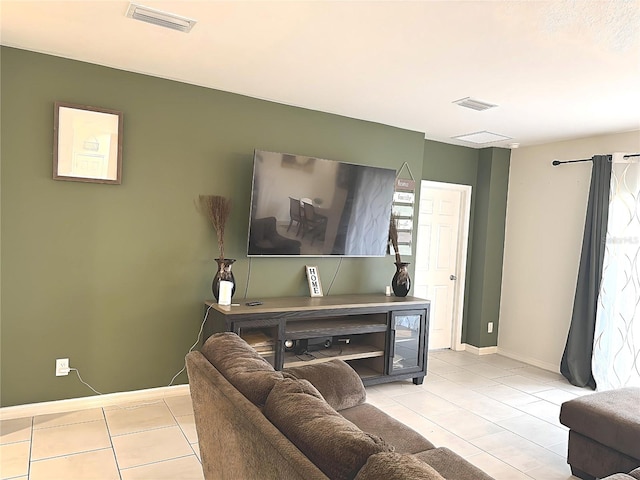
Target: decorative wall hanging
87,145
403,209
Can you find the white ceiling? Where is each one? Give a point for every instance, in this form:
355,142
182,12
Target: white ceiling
556,69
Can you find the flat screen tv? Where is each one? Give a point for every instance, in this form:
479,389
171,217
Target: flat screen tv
306,206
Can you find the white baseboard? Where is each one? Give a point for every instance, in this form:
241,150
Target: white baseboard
96,401
529,360
480,350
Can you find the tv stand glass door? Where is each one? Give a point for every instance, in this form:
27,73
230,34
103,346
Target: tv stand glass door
408,350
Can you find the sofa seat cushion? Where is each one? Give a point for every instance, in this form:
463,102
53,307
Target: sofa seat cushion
241,365
338,383
451,466
396,466
611,418
372,420
334,444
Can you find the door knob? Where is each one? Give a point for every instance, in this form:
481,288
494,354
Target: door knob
452,277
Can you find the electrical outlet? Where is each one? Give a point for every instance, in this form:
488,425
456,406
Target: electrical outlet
62,367
490,327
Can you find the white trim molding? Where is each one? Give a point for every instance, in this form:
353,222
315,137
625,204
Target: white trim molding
530,360
480,350
96,401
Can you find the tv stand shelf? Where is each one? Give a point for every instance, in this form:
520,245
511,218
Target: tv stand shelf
382,338
349,352
333,326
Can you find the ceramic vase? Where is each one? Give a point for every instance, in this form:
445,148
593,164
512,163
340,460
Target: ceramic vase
401,282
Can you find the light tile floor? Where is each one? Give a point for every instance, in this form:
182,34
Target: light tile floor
499,414
150,440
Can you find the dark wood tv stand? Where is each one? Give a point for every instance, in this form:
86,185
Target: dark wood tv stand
382,338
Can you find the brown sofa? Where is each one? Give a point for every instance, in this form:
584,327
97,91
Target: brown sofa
604,435
309,422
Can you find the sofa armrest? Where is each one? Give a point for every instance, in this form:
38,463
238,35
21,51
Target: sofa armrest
336,381
228,423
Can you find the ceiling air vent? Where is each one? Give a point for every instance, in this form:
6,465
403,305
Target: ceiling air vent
482,137
474,104
160,18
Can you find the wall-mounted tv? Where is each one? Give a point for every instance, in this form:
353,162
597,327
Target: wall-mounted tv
306,206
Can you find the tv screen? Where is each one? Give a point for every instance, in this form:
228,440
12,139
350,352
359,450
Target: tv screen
315,207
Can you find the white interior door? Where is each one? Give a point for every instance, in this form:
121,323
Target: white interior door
441,253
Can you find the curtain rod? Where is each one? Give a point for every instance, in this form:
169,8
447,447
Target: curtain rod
555,163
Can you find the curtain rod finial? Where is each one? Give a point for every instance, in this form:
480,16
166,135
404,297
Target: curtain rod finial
555,163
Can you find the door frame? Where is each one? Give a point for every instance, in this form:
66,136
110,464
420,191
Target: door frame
462,248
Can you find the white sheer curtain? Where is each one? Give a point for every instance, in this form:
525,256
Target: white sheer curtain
616,348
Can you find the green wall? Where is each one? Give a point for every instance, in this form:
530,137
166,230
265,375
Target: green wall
450,163
454,164
487,171
483,304
114,276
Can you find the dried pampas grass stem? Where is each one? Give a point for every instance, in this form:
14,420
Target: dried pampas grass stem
393,235
217,209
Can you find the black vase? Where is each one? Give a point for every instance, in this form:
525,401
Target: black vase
224,273
401,282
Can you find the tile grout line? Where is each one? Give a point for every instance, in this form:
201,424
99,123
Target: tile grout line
504,429
516,407
33,421
502,461
469,441
113,448
157,462
183,433
45,459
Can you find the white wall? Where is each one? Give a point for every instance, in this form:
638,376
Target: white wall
546,208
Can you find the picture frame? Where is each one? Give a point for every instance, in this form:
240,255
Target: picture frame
313,277
87,144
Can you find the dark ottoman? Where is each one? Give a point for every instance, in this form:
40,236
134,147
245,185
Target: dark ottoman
604,435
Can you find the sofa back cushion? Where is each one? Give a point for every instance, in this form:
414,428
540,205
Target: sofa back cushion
334,444
241,365
396,466
338,383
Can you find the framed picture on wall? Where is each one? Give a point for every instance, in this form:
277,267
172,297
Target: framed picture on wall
87,144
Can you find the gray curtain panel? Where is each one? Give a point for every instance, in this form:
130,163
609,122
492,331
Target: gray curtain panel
576,360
